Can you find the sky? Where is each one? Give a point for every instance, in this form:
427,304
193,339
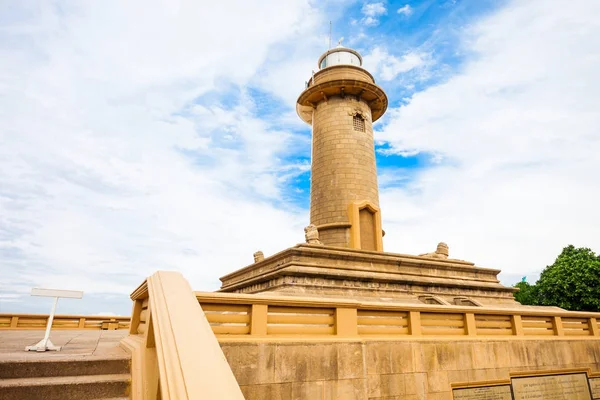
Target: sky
162,135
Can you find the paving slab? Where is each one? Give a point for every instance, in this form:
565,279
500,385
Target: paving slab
76,344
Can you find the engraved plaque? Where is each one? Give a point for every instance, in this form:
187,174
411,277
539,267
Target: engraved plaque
499,392
595,385
573,386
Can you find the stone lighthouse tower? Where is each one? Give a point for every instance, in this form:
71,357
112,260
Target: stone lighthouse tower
345,257
341,101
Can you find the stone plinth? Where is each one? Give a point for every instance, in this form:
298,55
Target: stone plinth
348,273
408,370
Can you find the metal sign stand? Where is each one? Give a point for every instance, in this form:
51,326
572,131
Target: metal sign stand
46,344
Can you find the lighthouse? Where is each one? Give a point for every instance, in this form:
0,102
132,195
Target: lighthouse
341,101
343,254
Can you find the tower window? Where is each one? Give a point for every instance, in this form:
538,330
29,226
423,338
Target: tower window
359,123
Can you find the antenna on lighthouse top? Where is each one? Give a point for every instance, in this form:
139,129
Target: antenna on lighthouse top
329,35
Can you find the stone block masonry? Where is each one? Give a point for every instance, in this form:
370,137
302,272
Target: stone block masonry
407,370
343,166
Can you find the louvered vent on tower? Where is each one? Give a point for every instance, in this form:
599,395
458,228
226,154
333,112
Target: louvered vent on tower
359,123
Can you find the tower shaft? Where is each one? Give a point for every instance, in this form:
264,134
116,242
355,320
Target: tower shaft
341,102
343,169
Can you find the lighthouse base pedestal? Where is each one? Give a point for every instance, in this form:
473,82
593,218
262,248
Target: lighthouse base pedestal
338,272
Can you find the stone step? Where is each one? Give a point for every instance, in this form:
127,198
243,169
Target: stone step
87,387
69,366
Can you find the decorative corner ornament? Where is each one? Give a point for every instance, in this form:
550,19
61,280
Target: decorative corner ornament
357,113
311,234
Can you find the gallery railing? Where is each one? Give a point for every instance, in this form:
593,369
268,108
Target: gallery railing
39,321
238,316
175,354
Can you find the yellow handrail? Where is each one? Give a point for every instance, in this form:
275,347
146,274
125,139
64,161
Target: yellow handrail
244,317
174,350
39,321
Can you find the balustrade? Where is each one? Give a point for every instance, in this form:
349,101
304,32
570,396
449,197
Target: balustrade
244,316
39,321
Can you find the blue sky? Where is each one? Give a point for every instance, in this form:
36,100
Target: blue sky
143,136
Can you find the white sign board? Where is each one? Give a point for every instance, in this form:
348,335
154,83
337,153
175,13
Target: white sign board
70,294
45,344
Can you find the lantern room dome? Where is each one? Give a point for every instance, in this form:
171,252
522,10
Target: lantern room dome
340,56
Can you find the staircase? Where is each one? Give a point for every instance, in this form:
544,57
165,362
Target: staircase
65,379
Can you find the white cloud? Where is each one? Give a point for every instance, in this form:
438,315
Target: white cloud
518,131
387,67
372,12
129,144
9,298
373,9
405,10
112,164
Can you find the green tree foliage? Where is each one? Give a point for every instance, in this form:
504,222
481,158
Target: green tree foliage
572,282
527,294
